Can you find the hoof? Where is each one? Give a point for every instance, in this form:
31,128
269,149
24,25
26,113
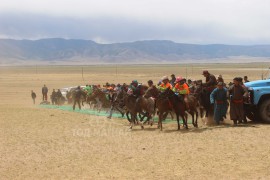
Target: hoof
142,127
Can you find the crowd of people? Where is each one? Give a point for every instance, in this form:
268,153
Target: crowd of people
220,95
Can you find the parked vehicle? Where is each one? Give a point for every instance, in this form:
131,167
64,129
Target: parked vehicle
258,106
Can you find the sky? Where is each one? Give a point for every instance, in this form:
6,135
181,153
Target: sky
235,22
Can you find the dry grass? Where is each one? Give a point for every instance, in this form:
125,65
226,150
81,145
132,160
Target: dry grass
37,143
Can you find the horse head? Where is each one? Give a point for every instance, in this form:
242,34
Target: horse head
152,92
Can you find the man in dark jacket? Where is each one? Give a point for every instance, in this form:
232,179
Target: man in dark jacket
210,81
58,97
53,97
172,80
77,97
44,93
237,92
33,95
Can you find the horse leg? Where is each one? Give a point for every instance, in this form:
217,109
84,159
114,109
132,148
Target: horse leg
171,115
117,108
164,116
185,118
127,114
132,121
192,115
160,119
201,112
178,123
197,114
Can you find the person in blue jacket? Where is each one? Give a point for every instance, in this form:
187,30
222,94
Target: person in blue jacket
218,97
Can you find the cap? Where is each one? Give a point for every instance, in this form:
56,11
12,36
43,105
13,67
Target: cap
165,78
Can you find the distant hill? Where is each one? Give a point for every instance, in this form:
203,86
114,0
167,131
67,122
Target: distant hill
151,51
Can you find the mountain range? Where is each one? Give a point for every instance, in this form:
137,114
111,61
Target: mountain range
65,51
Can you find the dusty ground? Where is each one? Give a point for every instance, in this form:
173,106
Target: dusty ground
38,143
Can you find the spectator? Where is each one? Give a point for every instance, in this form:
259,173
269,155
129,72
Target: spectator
246,79
33,95
44,93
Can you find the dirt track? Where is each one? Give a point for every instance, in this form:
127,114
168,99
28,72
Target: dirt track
37,143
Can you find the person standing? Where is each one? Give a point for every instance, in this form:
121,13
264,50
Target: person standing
77,97
246,79
59,97
33,95
218,97
53,97
245,98
44,93
236,92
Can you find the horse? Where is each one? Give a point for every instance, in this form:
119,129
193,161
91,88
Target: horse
138,105
190,107
100,97
177,104
154,93
203,96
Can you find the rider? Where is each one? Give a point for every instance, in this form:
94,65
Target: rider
165,84
210,81
172,80
150,83
88,89
182,88
133,87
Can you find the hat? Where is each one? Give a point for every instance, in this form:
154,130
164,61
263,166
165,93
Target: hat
236,79
135,81
220,84
240,79
165,78
205,72
178,79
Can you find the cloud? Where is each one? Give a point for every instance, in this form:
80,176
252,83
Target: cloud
193,21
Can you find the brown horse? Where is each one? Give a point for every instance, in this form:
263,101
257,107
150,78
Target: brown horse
190,106
165,104
138,105
202,94
177,105
100,97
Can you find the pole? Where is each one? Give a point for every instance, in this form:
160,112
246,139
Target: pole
186,71
116,72
82,74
